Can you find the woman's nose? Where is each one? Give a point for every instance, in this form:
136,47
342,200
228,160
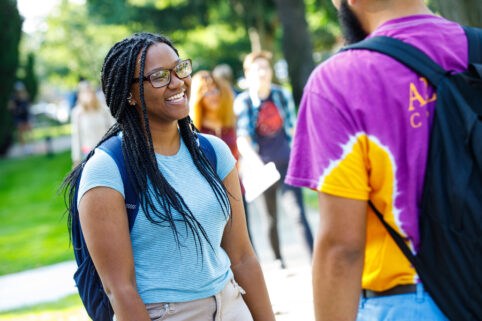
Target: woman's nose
175,81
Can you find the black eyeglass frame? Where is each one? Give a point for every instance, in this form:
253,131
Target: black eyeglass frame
171,70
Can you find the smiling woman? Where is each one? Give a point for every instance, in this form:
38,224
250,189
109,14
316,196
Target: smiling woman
179,257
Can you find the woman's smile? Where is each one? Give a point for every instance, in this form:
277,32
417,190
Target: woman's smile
178,98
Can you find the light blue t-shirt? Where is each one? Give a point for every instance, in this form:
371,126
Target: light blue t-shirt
166,272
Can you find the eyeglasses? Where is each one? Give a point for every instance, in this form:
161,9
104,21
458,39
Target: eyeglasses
161,78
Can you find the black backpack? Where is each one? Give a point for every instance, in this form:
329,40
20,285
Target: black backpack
86,278
449,261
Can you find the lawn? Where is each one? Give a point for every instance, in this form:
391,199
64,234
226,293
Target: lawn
69,308
33,231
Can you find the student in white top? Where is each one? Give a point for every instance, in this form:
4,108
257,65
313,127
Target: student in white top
90,121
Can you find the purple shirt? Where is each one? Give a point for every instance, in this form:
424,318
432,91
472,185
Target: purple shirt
363,131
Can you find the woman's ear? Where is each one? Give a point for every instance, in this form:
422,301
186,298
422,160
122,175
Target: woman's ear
130,100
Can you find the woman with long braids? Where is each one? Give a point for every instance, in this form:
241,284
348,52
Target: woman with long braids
189,241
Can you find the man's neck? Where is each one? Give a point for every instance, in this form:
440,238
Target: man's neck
376,16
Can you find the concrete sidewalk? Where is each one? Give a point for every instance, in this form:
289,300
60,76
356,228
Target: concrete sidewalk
40,147
45,284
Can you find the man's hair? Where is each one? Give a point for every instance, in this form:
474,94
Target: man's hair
117,77
250,58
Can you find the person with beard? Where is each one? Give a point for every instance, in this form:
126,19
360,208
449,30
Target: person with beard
362,135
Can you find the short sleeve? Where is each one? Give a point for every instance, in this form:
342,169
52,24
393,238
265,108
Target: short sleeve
330,148
241,109
100,170
225,160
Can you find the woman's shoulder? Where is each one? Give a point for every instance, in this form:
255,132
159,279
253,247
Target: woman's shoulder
224,158
100,170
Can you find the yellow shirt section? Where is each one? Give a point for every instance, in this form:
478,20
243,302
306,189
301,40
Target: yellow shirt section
366,171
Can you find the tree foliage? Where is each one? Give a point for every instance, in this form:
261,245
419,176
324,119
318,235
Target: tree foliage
209,31
74,47
467,12
10,33
216,31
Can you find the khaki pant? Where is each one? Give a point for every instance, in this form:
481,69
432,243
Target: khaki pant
227,305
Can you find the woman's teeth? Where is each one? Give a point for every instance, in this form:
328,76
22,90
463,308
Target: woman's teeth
176,98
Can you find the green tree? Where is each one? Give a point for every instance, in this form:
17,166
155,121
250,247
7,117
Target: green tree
73,46
10,33
214,31
467,12
30,78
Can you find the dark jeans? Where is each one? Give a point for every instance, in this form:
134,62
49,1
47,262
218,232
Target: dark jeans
292,201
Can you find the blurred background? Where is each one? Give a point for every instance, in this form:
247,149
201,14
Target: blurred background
50,46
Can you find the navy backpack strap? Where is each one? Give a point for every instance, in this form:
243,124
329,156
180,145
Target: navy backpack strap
404,53
474,39
208,150
113,147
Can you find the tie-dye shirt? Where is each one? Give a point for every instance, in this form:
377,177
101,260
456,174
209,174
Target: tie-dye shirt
363,131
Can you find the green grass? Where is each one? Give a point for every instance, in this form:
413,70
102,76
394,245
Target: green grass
68,308
33,232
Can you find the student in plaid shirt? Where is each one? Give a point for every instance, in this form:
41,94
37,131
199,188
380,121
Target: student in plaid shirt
266,119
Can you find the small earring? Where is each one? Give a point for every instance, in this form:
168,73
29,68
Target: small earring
129,100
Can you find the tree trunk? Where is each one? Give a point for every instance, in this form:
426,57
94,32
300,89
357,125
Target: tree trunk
297,45
467,12
10,34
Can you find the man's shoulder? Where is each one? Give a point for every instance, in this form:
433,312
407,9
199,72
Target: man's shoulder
343,68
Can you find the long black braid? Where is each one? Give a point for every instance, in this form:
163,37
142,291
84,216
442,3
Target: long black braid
138,150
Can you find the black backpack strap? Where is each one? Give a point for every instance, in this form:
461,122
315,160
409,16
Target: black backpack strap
399,240
404,53
208,150
113,147
474,40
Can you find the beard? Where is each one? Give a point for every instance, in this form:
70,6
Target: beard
350,25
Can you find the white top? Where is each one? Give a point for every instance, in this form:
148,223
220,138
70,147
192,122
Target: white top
88,127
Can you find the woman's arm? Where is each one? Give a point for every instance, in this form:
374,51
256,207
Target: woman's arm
105,226
244,263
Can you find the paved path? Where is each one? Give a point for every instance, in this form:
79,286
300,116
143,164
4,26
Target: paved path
39,147
43,284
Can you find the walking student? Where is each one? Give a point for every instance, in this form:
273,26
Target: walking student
362,135
188,248
266,119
